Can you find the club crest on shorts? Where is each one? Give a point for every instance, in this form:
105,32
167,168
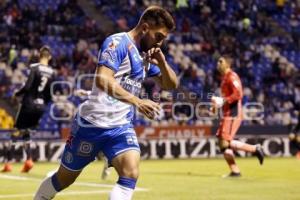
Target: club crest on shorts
68,157
85,148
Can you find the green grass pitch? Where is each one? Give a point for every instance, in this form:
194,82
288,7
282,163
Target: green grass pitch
198,179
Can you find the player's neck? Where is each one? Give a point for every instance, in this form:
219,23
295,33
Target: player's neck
226,71
44,62
135,35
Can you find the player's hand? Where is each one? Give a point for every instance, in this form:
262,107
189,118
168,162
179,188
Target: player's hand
81,92
212,110
218,101
155,56
148,108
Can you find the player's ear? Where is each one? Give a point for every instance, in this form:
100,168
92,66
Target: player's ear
145,28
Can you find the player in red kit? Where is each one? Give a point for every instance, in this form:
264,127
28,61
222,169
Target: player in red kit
231,104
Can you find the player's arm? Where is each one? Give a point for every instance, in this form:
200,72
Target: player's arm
167,78
82,93
236,94
106,81
236,89
111,55
27,85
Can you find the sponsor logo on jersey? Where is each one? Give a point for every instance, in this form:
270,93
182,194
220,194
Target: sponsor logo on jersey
132,86
131,82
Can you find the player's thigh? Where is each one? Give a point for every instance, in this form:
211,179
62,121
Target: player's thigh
123,152
235,126
223,132
23,119
28,118
81,147
228,128
78,153
127,164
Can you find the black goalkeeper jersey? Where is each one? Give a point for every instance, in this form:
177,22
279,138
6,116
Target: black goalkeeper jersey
37,89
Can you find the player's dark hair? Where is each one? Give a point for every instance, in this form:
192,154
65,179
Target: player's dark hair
228,59
157,16
45,52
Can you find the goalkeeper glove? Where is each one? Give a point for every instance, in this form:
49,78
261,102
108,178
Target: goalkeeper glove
218,101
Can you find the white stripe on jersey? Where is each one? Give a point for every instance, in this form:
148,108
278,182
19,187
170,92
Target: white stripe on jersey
119,53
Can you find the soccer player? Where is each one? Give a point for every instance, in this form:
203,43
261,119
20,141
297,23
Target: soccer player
294,136
35,96
104,121
231,104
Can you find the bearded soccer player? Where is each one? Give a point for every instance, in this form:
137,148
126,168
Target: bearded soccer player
35,96
104,121
231,104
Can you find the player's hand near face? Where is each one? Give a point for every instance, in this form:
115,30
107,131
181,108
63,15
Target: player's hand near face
148,108
155,56
167,79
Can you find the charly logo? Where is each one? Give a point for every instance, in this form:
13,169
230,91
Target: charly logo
68,157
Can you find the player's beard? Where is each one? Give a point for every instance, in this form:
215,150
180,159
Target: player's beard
221,70
144,44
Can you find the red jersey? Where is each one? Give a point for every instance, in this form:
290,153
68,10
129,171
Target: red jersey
232,92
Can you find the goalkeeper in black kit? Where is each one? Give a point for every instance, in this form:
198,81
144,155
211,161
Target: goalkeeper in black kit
34,97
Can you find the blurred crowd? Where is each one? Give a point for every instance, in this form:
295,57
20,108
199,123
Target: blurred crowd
267,61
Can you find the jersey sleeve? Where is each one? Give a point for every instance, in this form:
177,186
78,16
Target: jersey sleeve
153,70
236,88
112,53
28,83
47,92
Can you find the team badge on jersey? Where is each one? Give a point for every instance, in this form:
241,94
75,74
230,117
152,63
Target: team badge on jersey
109,53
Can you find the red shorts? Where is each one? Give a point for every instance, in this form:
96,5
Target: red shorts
228,128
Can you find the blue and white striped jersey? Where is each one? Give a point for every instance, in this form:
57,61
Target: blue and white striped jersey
120,54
